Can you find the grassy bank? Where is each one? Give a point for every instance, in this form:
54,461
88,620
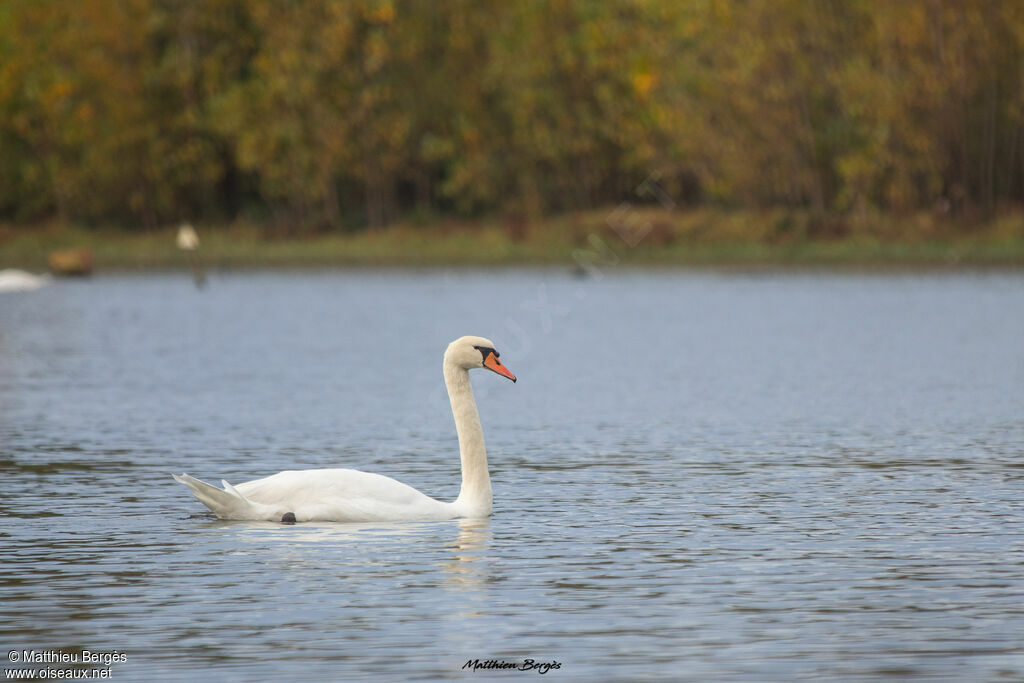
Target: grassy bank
625,235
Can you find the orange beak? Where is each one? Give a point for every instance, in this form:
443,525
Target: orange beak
492,363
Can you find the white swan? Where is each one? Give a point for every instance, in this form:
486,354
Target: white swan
342,495
13,280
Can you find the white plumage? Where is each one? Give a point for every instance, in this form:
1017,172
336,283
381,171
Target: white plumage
345,495
14,280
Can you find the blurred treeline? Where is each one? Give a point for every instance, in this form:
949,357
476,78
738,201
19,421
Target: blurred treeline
343,114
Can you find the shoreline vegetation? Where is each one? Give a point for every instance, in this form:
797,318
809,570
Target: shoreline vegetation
377,132
637,236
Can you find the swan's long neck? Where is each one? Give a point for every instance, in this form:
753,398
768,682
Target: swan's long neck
476,481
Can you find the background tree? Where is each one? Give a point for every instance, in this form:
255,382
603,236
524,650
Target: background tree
340,114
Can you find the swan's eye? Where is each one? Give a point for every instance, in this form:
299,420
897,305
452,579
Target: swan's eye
486,351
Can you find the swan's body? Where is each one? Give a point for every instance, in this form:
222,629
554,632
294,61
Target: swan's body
14,280
343,495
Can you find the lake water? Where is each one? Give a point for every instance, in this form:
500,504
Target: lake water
699,475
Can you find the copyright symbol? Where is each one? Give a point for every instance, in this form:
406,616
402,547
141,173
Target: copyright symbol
13,655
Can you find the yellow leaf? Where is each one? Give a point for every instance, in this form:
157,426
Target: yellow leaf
643,82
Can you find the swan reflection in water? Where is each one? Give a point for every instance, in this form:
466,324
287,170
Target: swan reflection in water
388,549
467,569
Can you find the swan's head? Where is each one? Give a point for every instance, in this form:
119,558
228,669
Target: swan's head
476,352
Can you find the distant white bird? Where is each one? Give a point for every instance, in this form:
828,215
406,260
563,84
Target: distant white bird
14,280
342,495
188,239
188,242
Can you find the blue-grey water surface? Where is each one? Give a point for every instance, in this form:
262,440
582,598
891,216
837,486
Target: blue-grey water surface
698,476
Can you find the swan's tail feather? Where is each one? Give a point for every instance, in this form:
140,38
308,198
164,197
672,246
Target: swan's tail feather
231,489
226,503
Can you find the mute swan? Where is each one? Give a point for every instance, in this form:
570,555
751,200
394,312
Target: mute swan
342,495
13,280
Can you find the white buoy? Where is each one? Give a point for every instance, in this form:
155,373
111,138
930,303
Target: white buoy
14,280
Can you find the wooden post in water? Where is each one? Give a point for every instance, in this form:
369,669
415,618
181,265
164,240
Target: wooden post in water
188,241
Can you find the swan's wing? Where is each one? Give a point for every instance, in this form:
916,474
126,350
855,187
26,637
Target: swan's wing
343,495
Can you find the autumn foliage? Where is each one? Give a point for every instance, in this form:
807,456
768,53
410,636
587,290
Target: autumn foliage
346,114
